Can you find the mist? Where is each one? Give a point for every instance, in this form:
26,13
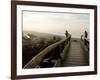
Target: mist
56,23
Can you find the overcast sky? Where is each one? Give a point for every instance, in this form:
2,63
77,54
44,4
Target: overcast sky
56,23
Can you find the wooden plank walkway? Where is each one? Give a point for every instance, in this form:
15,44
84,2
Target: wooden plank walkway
76,55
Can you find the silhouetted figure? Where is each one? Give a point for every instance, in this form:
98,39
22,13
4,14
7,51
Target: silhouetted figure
86,34
85,37
66,33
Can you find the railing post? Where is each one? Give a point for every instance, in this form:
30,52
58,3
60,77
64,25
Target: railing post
81,37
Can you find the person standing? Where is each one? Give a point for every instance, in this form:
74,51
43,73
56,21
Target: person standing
66,33
85,37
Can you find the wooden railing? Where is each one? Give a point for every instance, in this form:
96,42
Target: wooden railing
52,52
85,41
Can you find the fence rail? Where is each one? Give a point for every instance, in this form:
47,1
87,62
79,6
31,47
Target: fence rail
53,51
85,41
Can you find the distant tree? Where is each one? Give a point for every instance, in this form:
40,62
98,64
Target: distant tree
54,38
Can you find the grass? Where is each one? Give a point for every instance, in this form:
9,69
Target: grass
34,42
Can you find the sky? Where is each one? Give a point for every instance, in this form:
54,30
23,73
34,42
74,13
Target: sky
56,23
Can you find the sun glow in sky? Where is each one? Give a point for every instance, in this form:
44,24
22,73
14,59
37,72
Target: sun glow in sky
56,23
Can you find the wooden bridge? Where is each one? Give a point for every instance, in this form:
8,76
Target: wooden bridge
67,52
